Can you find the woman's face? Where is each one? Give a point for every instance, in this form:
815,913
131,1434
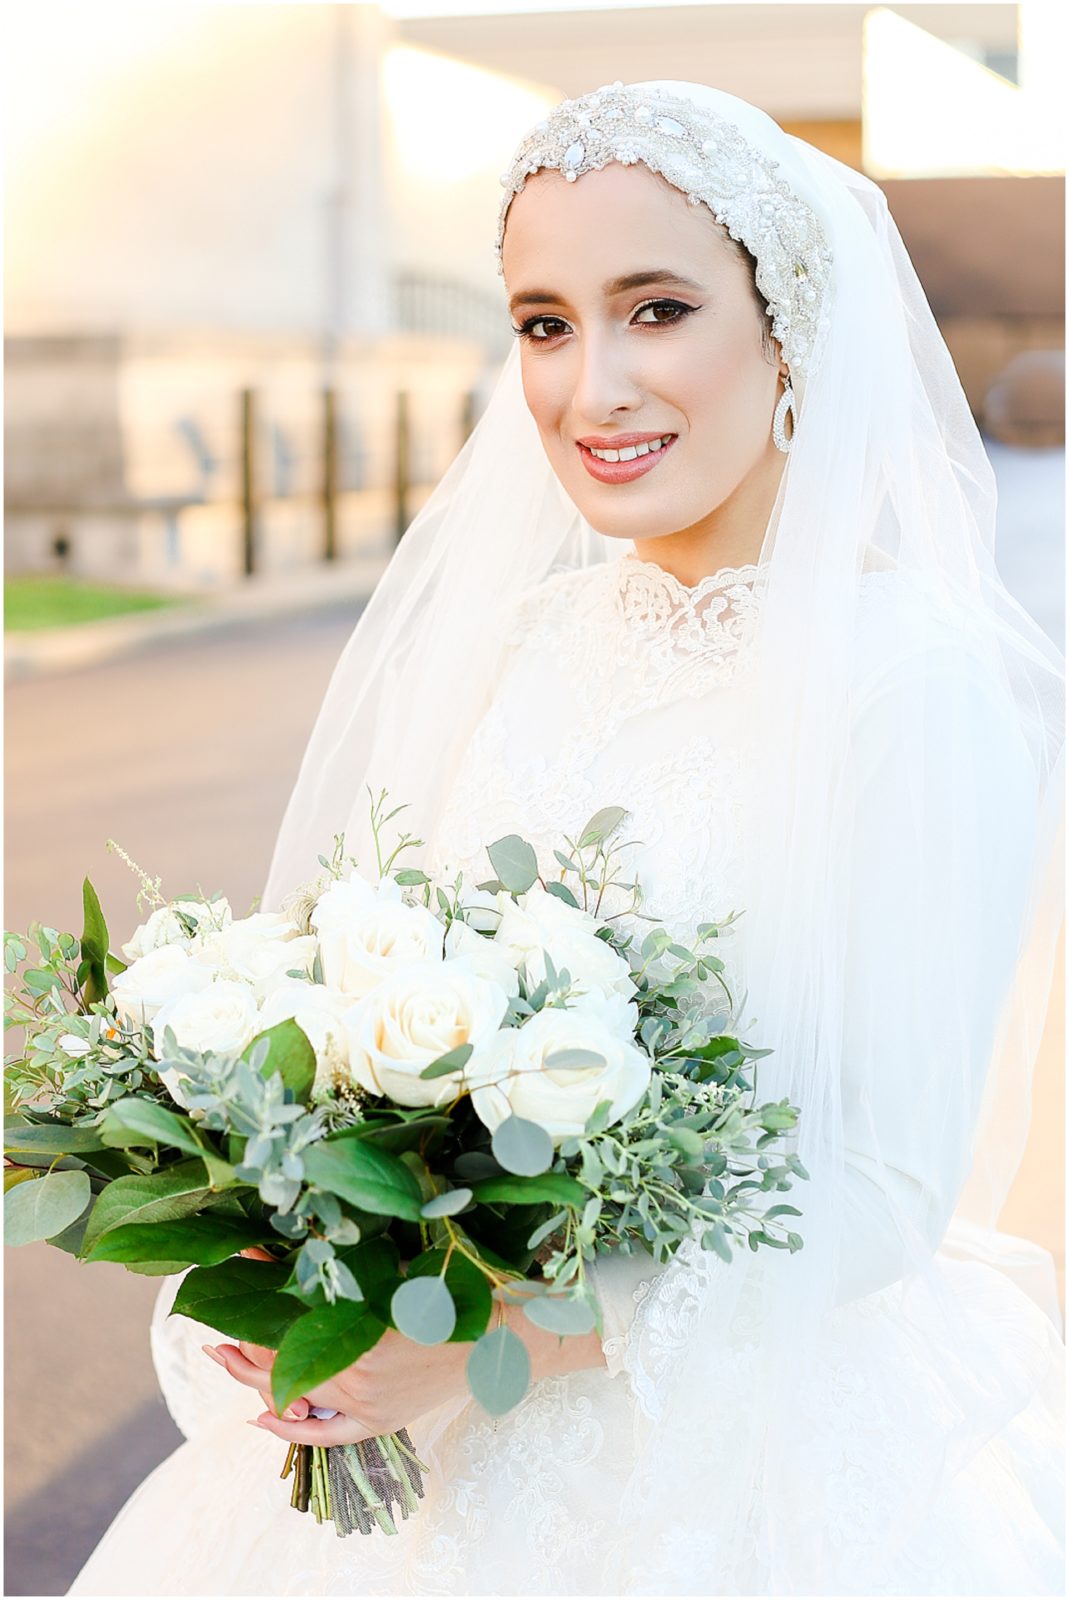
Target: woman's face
639,325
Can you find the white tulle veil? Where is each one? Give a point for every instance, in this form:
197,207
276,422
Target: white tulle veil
885,457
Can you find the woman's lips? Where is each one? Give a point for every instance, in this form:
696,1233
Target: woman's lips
622,471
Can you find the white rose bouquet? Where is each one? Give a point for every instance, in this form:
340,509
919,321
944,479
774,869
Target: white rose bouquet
409,1099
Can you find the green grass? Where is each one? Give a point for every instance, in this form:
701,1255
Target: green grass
56,602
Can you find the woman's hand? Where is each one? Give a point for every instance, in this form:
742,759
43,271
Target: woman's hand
396,1381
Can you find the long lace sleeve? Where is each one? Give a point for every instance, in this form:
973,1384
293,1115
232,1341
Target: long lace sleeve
926,977
927,973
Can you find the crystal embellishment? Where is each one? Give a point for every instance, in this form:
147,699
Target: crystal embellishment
706,156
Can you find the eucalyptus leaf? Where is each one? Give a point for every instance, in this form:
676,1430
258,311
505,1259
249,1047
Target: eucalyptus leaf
601,824
515,862
499,1371
48,1205
50,1139
468,1286
423,1310
522,1147
446,1204
559,1314
452,1061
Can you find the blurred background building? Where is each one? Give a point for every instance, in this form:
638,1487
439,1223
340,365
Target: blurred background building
252,307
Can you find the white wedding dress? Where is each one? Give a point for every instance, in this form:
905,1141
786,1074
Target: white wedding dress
618,690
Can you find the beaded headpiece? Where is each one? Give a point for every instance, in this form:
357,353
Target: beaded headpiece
706,156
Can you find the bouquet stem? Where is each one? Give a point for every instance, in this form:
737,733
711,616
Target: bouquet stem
357,1485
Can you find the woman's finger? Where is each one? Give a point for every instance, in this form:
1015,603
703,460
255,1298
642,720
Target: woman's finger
261,1355
331,1430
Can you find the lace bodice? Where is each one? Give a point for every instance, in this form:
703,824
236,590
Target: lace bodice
615,690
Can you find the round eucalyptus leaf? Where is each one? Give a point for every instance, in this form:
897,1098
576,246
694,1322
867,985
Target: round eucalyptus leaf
558,1314
37,1210
522,1147
446,1204
423,1310
499,1370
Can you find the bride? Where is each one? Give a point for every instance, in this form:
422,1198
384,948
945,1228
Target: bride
719,552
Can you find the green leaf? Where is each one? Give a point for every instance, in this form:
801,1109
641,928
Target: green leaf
319,1345
409,1134
141,1121
562,892
446,1204
200,1241
240,1298
452,1061
289,1053
369,1178
686,1141
499,1371
469,1287
553,1188
422,1309
94,946
515,862
574,1056
559,1313
521,1146
601,824
14,1175
50,1139
37,1210
177,1191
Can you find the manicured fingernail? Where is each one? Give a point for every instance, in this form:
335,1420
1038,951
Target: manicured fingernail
210,1351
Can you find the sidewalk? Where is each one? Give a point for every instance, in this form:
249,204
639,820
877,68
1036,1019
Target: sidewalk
38,651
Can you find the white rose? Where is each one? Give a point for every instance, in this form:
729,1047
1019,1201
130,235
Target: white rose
514,1076
413,1017
539,922
151,981
317,1011
258,951
485,955
368,931
484,907
223,1016
165,927
72,1044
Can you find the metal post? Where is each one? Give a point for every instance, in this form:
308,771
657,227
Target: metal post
248,482
330,475
467,416
402,465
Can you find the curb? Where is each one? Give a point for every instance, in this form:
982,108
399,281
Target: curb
38,652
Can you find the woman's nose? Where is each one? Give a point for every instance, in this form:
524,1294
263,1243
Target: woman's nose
604,382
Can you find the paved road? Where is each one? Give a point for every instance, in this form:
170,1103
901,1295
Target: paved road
186,756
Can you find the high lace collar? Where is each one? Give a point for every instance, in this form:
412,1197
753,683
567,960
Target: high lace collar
716,613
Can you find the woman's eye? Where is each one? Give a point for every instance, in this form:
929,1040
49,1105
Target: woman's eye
677,311
527,330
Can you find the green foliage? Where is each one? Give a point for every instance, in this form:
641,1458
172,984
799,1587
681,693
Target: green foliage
44,1207
499,1371
319,1345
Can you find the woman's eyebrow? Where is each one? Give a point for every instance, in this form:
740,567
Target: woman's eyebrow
631,280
